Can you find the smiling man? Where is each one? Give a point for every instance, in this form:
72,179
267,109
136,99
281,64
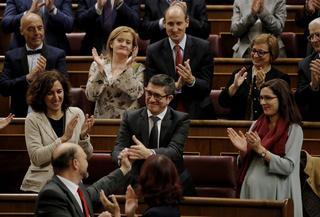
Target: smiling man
308,90
187,60
22,65
155,129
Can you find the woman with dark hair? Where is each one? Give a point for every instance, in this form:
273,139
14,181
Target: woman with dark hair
115,80
241,94
270,151
51,123
159,186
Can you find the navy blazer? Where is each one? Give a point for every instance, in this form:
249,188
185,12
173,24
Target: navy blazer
173,135
155,9
55,25
13,80
159,60
307,99
162,211
92,23
55,199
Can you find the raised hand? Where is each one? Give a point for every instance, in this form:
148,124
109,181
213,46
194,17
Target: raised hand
38,69
131,202
101,3
36,5
315,74
86,126
69,129
5,121
239,77
133,56
260,76
49,4
238,140
184,70
98,59
253,140
112,207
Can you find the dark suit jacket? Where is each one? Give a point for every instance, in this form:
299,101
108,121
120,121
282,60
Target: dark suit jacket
162,211
92,23
55,199
154,11
13,78
238,103
159,60
173,135
307,99
55,25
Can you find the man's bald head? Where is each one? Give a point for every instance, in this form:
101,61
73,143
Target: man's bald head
31,28
62,156
314,34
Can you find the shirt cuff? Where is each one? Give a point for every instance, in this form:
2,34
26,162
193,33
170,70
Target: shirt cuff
99,12
161,23
53,11
193,82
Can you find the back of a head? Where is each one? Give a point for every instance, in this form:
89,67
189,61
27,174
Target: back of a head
62,156
159,182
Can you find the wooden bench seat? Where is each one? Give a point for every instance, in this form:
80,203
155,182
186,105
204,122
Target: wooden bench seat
190,206
207,137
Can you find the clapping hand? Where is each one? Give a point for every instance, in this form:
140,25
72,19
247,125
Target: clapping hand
112,207
5,121
36,5
315,74
131,202
184,70
133,56
238,140
86,126
98,59
240,77
260,76
69,129
138,151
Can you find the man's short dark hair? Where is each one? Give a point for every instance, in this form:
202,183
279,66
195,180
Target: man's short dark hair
62,161
165,81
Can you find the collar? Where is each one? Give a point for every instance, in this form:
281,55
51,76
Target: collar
40,47
182,43
70,185
161,115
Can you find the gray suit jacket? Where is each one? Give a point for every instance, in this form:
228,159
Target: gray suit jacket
246,27
55,199
41,140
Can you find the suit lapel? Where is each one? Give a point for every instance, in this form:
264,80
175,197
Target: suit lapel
24,61
143,124
165,126
70,196
44,123
168,59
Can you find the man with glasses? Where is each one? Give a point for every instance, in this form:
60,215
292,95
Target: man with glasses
308,94
188,60
155,129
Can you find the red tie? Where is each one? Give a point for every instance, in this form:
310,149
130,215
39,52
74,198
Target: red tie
84,203
178,54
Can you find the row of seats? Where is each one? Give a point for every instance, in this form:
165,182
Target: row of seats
220,45
221,182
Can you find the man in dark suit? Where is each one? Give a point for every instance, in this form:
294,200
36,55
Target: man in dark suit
137,135
65,195
23,65
188,60
308,90
153,28
56,14
98,19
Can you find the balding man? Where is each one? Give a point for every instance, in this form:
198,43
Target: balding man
308,91
22,65
185,58
65,195
57,16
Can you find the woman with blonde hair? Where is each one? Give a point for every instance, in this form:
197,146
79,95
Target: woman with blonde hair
115,80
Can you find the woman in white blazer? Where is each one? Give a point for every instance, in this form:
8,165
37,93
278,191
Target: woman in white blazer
51,123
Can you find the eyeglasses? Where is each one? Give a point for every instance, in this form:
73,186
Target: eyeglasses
315,35
260,53
156,96
267,98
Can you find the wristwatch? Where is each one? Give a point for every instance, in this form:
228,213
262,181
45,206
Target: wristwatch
263,154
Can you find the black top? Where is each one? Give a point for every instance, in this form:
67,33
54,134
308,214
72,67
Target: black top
58,125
